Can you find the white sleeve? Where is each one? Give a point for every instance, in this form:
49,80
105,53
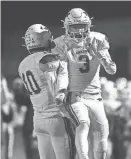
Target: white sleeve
105,58
62,80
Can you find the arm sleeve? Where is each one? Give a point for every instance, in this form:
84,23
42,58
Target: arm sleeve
62,80
105,58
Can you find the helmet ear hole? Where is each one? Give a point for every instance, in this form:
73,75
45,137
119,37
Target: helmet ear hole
53,44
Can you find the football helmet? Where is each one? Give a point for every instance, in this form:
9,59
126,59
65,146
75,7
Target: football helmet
38,36
77,23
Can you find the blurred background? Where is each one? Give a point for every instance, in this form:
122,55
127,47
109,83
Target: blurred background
112,18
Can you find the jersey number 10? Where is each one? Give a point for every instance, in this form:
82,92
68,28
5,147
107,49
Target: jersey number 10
30,82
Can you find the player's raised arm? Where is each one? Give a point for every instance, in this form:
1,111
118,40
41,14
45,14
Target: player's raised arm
103,55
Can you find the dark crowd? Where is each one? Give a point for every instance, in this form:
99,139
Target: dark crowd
17,115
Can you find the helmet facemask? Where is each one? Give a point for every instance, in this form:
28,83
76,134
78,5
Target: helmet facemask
78,31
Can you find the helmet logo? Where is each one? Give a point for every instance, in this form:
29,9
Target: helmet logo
75,14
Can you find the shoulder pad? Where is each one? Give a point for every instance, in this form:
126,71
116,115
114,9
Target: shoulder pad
59,40
98,36
20,66
60,47
26,61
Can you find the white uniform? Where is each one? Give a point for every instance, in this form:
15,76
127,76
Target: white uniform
84,99
51,129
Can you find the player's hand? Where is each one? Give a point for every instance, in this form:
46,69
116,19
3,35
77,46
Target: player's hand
94,49
97,49
60,98
63,111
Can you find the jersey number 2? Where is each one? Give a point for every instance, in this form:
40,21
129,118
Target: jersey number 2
30,82
86,64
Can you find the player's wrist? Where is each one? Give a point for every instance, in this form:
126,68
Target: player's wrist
100,56
60,98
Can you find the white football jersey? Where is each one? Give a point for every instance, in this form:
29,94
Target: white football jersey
40,85
84,66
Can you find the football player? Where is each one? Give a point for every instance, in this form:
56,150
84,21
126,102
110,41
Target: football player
41,72
85,51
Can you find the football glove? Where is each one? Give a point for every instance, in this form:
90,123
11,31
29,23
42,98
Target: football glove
60,98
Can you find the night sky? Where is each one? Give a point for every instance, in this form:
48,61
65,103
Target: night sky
18,15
